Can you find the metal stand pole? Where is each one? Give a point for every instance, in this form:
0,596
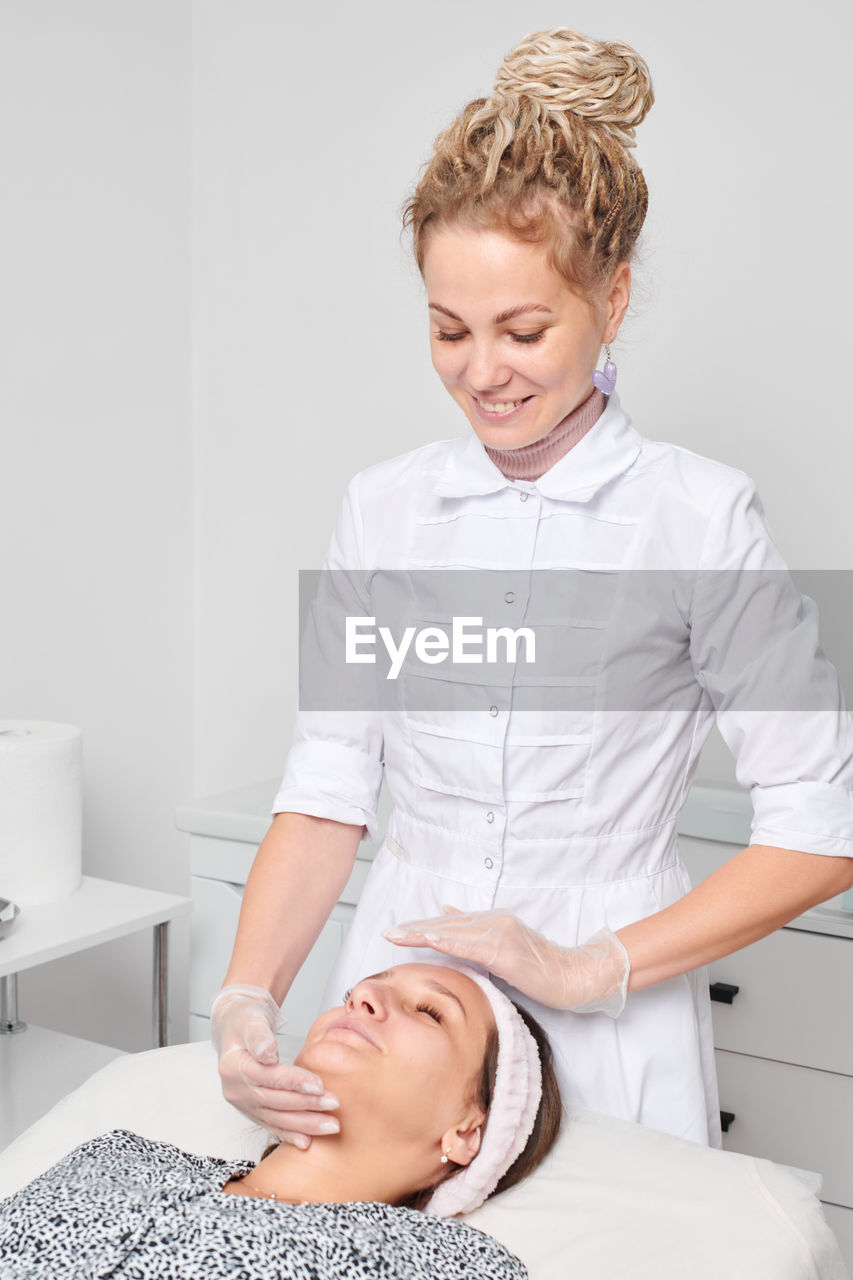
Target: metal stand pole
161,984
10,1023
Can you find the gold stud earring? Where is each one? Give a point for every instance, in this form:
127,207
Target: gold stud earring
445,1155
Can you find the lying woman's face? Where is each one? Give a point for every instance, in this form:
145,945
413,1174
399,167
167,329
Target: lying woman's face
408,1044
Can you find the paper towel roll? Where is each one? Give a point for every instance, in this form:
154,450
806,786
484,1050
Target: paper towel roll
41,810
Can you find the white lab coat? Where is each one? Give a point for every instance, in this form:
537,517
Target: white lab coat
567,817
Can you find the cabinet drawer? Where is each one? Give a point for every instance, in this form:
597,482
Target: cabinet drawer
792,1115
216,909
793,1003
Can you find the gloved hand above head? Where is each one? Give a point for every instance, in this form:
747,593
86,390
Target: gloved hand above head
589,978
287,1100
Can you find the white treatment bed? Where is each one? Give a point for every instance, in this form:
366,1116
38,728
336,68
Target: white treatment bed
613,1201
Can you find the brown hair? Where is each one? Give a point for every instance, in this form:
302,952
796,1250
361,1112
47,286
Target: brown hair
546,158
546,1126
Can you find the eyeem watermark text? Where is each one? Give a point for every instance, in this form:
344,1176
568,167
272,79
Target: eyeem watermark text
465,643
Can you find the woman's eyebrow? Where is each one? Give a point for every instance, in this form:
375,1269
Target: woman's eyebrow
430,982
445,991
501,317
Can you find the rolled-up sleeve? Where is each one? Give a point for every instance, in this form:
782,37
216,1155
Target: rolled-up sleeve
779,705
334,767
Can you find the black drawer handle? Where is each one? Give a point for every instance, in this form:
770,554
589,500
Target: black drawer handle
723,991
726,1118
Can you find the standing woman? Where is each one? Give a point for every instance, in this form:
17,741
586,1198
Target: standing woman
540,841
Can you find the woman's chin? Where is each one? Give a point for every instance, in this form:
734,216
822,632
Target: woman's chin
510,437
325,1056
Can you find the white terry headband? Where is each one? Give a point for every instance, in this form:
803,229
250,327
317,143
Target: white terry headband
512,1114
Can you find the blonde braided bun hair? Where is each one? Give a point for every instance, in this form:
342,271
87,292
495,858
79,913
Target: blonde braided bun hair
546,157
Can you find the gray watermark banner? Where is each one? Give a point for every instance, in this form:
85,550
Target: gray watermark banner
458,640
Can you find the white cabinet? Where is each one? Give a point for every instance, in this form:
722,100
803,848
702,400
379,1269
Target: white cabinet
790,1114
793,1002
784,1045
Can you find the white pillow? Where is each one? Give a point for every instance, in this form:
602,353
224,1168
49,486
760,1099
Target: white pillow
613,1199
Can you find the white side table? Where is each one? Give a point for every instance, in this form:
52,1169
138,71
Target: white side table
39,1066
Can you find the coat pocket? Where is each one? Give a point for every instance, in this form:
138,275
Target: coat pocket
554,769
457,766
456,735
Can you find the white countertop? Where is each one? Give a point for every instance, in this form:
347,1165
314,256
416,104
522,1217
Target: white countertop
99,911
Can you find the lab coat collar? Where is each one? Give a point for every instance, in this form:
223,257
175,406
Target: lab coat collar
608,448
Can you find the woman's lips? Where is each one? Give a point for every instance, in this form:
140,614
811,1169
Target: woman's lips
487,416
351,1024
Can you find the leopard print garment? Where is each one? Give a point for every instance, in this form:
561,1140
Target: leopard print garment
121,1206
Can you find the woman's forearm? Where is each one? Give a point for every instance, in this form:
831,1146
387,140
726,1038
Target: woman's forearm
300,868
754,893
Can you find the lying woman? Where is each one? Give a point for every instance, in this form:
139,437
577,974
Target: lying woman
447,1096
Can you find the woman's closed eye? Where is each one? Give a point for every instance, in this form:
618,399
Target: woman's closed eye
516,337
429,1009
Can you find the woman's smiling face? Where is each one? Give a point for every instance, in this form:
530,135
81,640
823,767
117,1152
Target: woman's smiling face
408,1044
542,355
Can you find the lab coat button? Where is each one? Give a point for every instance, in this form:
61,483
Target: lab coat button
509,597
524,496
488,864
493,711
490,817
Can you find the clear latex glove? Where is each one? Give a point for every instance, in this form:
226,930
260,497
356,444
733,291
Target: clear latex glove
589,978
287,1100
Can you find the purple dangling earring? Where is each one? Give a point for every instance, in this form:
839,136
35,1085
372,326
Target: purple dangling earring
605,379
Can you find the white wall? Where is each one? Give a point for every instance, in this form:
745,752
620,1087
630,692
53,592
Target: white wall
96,481
239,168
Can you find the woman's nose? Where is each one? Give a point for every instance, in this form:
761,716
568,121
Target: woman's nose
368,997
487,368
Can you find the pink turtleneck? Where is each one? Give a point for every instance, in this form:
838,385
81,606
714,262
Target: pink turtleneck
532,460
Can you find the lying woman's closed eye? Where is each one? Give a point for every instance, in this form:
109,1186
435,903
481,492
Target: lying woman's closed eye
426,1122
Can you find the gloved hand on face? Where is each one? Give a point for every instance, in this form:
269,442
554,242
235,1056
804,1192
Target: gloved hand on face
287,1100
